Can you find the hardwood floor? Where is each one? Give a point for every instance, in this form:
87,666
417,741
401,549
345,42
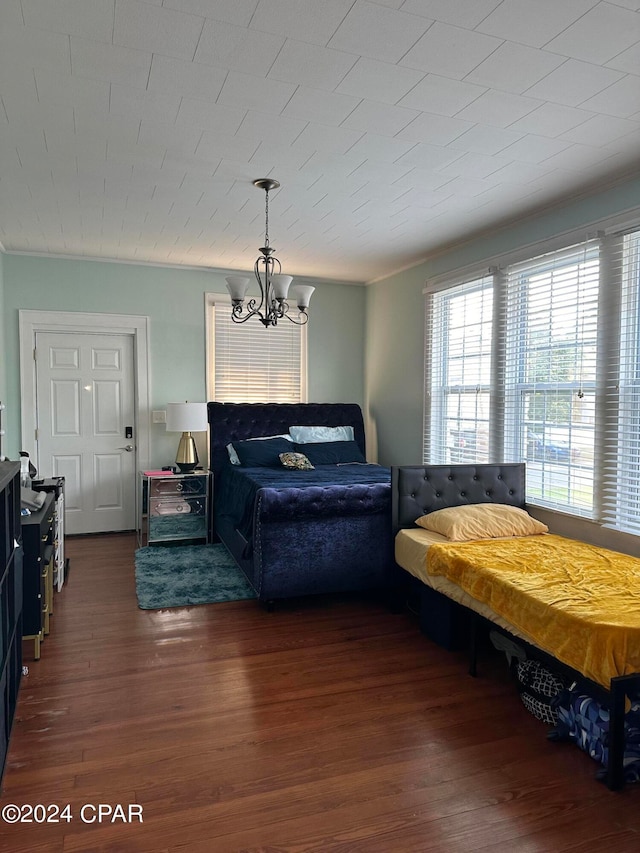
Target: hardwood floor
329,725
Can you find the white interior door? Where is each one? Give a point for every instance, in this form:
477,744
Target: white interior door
85,402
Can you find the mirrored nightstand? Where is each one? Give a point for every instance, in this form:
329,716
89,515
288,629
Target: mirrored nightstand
172,507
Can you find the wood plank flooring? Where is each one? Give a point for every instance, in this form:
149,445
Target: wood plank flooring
328,725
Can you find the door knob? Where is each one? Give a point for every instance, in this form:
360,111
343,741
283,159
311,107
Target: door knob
127,447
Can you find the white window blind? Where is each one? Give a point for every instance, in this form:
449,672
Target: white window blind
252,364
621,450
458,373
551,328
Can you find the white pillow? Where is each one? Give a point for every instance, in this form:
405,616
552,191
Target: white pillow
233,456
318,434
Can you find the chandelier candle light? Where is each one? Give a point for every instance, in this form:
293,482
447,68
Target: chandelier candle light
274,287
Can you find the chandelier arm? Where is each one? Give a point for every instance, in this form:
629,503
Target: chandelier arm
237,317
263,293
302,319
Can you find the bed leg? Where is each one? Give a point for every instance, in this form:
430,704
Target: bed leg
473,645
614,777
395,598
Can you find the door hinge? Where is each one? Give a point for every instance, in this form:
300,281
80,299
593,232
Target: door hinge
35,357
36,433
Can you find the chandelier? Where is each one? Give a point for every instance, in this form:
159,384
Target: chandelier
274,287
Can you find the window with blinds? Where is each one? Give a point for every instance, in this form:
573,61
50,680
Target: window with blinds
459,337
550,348
621,385
251,364
540,362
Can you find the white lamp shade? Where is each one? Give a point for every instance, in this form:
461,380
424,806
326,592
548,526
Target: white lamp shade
186,417
303,295
280,284
237,286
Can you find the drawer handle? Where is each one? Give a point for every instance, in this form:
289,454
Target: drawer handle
179,487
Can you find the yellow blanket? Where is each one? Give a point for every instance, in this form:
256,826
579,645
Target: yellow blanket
578,602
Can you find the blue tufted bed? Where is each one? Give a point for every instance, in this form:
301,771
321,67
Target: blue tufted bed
293,532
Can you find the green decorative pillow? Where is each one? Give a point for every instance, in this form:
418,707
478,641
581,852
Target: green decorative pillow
296,461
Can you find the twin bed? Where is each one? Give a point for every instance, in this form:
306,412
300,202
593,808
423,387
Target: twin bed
333,529
568,602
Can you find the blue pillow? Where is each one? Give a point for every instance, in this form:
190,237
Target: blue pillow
331,452
262,454
320,434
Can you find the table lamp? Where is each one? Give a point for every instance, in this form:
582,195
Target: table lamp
187,418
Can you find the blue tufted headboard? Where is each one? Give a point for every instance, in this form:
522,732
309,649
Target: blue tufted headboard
239,421
419,489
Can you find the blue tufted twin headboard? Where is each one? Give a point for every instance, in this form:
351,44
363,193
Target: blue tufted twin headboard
239,421
419,489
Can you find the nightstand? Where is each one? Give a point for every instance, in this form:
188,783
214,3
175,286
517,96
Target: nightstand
173,507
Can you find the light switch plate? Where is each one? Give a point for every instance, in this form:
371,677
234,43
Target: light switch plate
159,416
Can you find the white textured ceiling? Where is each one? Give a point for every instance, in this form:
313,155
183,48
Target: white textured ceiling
132,130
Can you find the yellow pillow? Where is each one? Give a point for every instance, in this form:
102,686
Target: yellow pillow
481,521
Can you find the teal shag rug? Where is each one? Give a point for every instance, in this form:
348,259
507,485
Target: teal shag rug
182,575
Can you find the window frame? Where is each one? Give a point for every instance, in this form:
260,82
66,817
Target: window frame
607,387
438,390
221,300
536,292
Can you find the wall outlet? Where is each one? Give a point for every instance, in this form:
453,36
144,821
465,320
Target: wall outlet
159,416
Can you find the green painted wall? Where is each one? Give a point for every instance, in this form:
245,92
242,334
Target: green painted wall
395,315
174,301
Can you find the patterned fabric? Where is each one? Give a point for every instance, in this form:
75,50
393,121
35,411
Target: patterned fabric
538,687
585,721
297,461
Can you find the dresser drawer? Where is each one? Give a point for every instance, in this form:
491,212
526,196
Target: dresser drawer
162,488
175,506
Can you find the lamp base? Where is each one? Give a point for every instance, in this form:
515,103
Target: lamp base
187,455
186,468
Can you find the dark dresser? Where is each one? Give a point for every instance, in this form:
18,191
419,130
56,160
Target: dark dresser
10,600
61,562
39,552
